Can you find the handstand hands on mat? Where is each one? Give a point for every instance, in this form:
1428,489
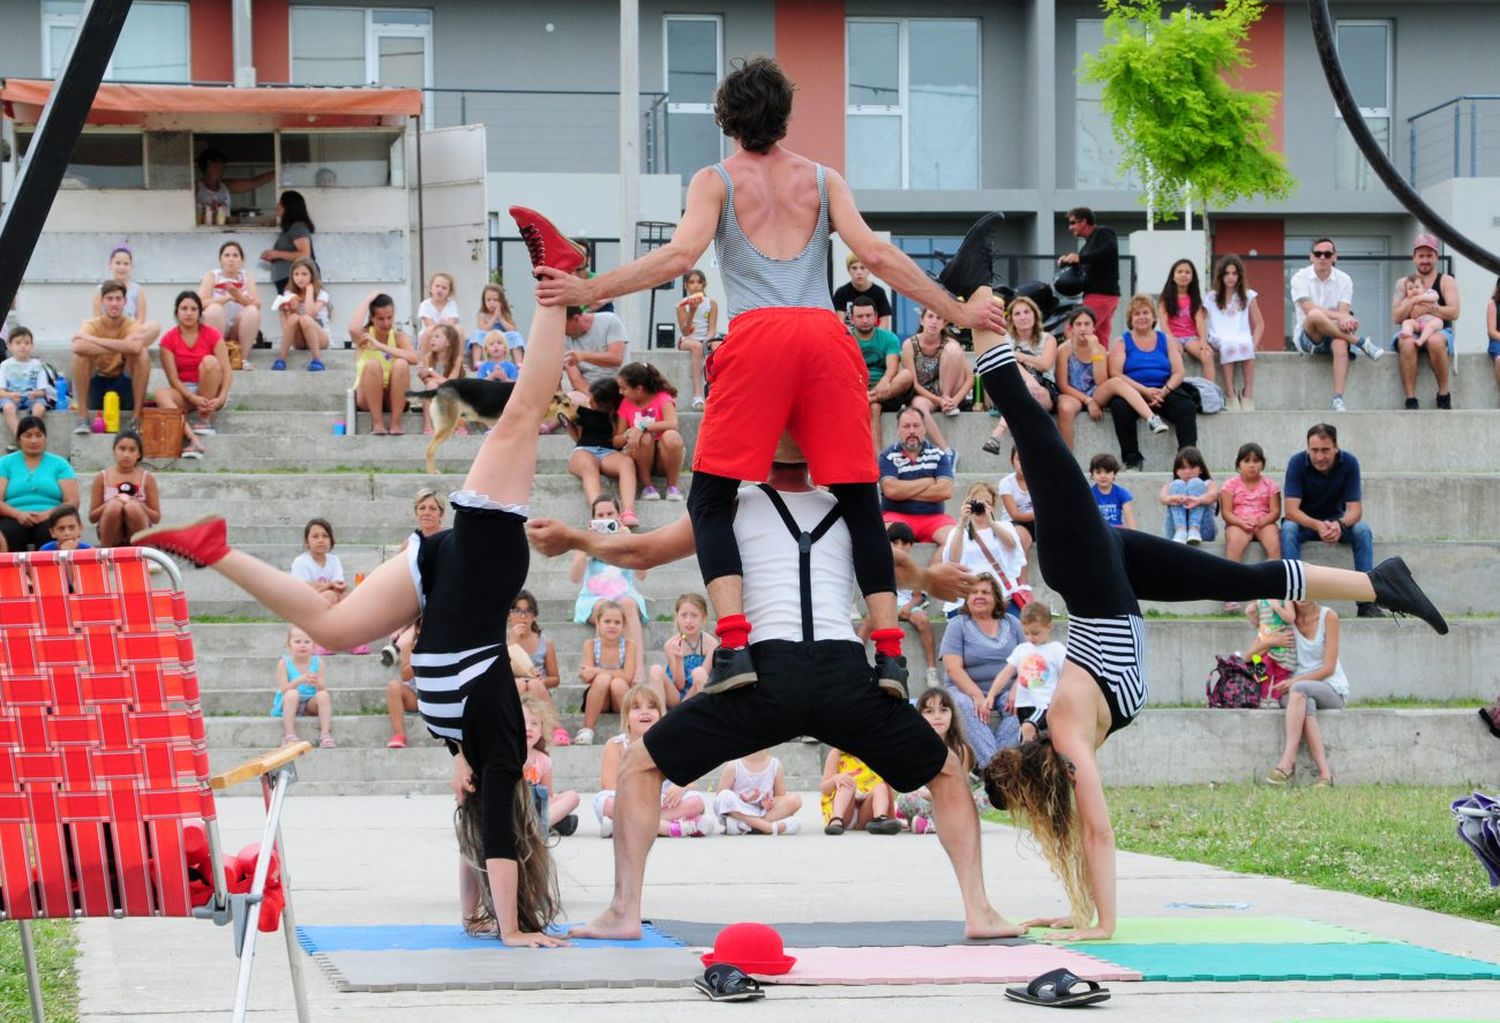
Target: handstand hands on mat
814,679
461,581
1054,784
789,363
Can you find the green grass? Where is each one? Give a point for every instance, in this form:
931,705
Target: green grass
1395,843
56,953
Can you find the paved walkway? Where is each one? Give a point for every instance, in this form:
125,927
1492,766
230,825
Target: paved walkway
366,860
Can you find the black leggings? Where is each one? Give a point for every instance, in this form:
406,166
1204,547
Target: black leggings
18,537
1098,570
469,575
1177,408
710,504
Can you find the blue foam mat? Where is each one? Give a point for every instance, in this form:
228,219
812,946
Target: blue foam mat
429,937
1301,961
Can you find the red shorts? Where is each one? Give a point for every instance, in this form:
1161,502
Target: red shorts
1104,307
925,526
787,370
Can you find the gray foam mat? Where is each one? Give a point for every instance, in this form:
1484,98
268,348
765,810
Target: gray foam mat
508,969
842,934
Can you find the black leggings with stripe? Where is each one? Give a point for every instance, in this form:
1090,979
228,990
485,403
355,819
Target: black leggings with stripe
1099,570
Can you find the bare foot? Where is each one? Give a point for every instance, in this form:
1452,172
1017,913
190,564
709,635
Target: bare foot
396,431
378,431
611,924
990,924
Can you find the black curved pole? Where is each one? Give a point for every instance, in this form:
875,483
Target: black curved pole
1322,23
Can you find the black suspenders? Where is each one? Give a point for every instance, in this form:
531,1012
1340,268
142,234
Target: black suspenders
805,540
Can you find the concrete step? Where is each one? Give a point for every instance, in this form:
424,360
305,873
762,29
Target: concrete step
1171,747
1405,443
1458,576
426,766
273,508
1383,659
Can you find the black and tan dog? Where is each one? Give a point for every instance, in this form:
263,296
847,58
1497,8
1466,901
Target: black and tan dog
478,401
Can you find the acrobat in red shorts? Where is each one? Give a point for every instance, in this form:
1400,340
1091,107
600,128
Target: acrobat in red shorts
787,370
926,527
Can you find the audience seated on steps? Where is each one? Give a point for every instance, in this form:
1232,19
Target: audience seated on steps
231,301
123,499
1086,382
1181,312
33,481
1434,296
942,378
683,809
538,676
382,371
911,606
916,481
855,797
1191,498
975,645
303,309
1150,363
752,798
1116,504
302,689
1014,506
687,653
438,362
1324,502
646,429
1318,683
195,361
595,450
610,660
495,317
986,543
1235,328
1323,296
1251,505
697,327
540,718
26,387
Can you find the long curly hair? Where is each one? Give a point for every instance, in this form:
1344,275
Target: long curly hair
1033,782
538,899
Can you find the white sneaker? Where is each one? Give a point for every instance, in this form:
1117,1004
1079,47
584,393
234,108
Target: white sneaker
607,827
1338,403
698,403
1247,404
954,411
735,826
1180,536
1232,403
584,737
1194,536
790,826
1156,425
1371,349
933,680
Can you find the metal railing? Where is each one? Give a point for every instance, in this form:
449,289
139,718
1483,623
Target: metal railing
530,130
1456,139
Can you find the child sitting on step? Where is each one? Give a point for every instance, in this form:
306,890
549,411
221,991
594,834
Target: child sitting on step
855,797
301,689
682,807
541,718
752,798
687,652
609,663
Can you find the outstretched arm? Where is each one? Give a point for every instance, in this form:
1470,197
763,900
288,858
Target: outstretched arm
636,551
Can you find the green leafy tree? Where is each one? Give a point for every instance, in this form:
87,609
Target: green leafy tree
1187,131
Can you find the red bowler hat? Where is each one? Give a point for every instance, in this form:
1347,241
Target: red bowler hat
754,948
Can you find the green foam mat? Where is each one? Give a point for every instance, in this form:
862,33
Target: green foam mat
1294,961
1237,929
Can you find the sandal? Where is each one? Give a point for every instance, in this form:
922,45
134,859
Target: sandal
290,739
1058,989
725,983
1279,777
378,431
884,826
326,742
834,826
397,742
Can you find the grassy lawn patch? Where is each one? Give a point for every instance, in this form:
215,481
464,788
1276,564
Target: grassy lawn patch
1388,842
56,954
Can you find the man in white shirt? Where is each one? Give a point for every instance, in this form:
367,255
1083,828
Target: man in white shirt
1322,295
594,348
813,680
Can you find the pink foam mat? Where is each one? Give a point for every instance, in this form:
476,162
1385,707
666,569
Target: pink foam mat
951,964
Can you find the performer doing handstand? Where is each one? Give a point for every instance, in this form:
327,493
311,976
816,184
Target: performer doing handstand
461,581
1101,574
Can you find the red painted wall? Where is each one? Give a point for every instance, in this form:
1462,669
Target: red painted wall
211,40
1267,73
270,30
1265,276
810,47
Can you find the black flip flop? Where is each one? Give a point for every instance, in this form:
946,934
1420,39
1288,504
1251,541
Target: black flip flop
724,983
1058,989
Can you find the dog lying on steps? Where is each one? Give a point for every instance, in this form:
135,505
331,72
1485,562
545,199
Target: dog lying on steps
478,401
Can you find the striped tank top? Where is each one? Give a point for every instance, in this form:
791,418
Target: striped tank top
753,280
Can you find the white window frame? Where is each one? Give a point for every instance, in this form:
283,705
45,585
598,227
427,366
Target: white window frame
1390,71
53,19
902,107
375,31
666,71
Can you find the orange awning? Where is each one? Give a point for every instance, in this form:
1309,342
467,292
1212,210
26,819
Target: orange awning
194,106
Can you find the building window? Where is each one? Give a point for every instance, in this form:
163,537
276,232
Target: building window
694,64
153,43
912,103
355,46
1096,153
1365,51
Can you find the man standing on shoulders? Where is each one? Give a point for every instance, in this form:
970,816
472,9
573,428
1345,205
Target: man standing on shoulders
890,385
1322,295
1322,501
1099,259
860,284
916,481
1442,295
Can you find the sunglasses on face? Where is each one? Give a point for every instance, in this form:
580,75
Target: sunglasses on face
1322,253
523,610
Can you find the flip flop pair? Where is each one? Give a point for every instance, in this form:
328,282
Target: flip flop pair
725,983
1059,989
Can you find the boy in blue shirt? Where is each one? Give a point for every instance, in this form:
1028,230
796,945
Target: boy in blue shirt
1115,503
66,527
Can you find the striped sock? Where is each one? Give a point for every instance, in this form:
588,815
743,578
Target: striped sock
1296,580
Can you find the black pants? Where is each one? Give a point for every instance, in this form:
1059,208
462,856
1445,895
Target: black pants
1177,408
710,505
1098,570
19,537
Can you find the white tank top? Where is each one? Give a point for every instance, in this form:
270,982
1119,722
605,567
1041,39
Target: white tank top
1310,655
768,551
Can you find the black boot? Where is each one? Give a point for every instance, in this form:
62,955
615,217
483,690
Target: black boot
1396,590
973,265
730,669
890,675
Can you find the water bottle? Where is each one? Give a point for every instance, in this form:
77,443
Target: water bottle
62,393
112,412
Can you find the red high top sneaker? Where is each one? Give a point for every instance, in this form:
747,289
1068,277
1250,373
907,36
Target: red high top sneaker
548,246
202,543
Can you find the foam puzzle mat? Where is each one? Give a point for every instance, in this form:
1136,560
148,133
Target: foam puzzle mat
842,934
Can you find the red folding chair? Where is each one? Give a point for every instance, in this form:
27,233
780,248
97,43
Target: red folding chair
103,764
